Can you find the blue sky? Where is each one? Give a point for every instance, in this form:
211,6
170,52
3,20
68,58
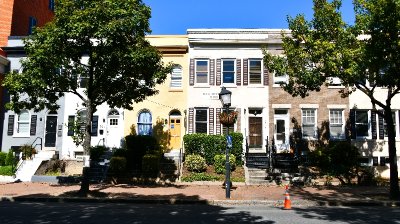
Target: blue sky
176,16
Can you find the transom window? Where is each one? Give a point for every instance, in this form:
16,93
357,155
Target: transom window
255,71
23,123
201,120
201,71
113,121
336,124
309,123
228,71
145,123
361,123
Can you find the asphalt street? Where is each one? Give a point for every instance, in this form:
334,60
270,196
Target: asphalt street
73,212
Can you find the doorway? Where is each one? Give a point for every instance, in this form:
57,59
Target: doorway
51,130
255,129
281,130
113,135
175,121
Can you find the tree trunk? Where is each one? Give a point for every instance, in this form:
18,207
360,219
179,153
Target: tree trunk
84,190
394,178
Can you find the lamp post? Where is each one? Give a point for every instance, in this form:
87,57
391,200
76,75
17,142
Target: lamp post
225,97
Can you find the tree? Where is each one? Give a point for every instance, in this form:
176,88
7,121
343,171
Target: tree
327,47
97,45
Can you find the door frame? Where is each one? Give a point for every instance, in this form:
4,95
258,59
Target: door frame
180,129
53,114
258,113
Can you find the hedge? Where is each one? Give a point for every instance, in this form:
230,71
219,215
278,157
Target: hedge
208,146
137,146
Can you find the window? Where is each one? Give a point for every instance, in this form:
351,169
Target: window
83,81
201,71
228,71
201,121
334,81
23,123
309,123
176,77
32,24
385,130
280,79
145,123
51,5
336,124
255,72
361,123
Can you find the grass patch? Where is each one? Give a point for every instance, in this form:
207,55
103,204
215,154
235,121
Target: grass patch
6,171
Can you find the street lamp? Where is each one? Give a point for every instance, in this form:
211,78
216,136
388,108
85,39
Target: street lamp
225,97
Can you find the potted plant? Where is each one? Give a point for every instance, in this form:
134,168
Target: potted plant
228,119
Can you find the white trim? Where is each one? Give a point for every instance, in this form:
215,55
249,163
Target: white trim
281,106
336,106
309,106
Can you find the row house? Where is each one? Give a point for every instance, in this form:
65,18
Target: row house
230,58
163,115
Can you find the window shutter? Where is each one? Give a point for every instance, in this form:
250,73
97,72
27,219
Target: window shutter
245,72
95,125
211,121
238,72
33,124
238,125
191,115
381,127
218,83
373,124
10,130
217,122
191,72
71,121
352,124
212,72
265,76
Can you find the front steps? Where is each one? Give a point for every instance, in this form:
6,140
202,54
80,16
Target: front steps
28,167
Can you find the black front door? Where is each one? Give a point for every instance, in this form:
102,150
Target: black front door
51,131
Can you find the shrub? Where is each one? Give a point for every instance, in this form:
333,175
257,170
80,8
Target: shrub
3,157
10,159
119,152
117,164
195,163
6,171
137,146
199,177
96,152
237,147
151,164
28,151
219,163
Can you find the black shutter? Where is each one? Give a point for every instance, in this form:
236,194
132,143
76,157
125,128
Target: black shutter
95,125
10,130
238,72
373,125
191,72
381,127
245,72
33,124
218,81
217,122
211,121
191,116
353,123
71,121
212,72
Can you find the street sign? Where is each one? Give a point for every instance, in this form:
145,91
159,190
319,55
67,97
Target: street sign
229,141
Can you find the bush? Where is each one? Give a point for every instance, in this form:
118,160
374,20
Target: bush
10,159
6,171
119,152
28,151
195,163
219,163
199,177
208,146
137,146
3,157
117,164
151,164
96,152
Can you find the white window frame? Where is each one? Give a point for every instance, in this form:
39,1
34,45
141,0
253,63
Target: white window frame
368,123
176,78
195,120
303,116
261,72
333,123
223,71
18,122
207,72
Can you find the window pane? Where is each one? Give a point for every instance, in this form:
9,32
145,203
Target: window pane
361,117
23,116
176,77
255,72
308,122
145,123
308,131
201,121
361,123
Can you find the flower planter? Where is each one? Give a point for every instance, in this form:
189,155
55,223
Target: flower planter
228,119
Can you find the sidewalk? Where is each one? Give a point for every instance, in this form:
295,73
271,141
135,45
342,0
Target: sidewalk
200,192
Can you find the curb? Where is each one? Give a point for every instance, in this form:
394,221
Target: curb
177,201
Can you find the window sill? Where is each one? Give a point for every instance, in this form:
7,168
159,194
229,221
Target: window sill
336,87
21,136
201,86
175,90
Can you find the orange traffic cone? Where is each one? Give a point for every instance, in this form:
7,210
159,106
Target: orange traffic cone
287,204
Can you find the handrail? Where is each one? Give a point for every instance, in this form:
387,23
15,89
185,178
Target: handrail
41,143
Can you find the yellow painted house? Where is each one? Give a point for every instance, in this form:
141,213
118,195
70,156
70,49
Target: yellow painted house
163,115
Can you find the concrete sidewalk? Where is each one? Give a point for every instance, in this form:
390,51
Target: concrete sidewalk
200,192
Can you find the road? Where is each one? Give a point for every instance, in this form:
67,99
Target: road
40,213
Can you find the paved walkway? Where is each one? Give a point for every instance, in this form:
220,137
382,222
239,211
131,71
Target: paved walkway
201,192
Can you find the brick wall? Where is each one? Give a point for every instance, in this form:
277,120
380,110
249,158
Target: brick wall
6,8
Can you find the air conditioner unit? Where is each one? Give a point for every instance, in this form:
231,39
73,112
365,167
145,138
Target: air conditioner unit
334,81
79,158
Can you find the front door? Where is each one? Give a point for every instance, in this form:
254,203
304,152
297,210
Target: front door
255,133
113,135
175,132
281,130
51,131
